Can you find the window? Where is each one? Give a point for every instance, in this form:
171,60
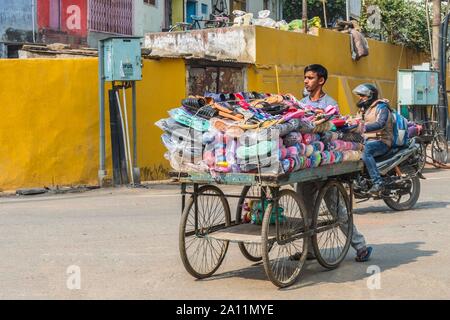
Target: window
204,9
151,2
111,16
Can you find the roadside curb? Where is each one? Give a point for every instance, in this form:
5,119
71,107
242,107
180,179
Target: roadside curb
29,192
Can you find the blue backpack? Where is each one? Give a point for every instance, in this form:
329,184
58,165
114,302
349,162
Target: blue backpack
400,129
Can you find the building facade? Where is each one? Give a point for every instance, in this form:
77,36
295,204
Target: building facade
182,10
17,24
82,23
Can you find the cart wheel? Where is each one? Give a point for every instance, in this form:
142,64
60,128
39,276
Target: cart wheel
280,264
251,251
333,225
203,256
439,149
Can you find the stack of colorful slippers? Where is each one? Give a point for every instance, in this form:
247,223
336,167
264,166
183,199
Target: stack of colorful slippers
260,149
292,139
315,158
309,138
199,106
189,120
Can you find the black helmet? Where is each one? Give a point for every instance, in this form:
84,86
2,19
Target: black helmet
367,90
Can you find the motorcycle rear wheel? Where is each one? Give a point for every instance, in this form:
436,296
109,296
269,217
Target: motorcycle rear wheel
396,203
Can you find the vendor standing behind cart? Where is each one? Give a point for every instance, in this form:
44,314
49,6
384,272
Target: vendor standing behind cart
316,76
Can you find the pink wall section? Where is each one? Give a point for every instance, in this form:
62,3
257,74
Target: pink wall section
68,16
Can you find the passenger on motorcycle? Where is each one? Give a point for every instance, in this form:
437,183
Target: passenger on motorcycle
378,132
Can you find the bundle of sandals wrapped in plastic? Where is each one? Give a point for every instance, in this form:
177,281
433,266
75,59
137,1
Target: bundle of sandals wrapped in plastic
251,132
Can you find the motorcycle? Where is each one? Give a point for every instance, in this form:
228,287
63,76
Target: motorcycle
400,169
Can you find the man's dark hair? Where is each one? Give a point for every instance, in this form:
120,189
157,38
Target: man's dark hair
319,69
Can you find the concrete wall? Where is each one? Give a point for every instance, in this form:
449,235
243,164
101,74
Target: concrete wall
332,49
148,18
49,127
16,20
235,44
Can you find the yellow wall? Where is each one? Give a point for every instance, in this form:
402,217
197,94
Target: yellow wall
49,122
292,51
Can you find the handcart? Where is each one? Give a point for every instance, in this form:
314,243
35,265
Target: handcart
287,229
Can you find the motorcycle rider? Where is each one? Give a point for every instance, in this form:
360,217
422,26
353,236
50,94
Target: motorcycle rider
378,130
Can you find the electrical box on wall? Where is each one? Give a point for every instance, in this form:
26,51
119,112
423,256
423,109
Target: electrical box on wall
122,59
417,87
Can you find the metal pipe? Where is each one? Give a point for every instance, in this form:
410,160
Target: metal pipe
101,90
347,9
133,88
183,197
443,99
127,133
33,21
196,207
127,160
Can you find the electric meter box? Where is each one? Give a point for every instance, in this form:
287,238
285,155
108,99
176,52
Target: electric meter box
418,87
122,59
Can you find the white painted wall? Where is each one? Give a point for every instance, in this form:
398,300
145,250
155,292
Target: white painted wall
148,18
199,8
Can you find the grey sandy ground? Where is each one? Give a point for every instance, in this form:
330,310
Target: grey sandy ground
125,243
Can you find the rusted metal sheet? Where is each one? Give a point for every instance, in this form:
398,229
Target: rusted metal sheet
201,79
223,44
231,80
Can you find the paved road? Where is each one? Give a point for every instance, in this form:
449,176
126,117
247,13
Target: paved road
125,244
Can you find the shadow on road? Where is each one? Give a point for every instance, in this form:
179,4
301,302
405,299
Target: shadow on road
426,205
386,256
254,272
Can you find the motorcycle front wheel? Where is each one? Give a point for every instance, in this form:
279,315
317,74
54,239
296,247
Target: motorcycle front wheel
405,201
